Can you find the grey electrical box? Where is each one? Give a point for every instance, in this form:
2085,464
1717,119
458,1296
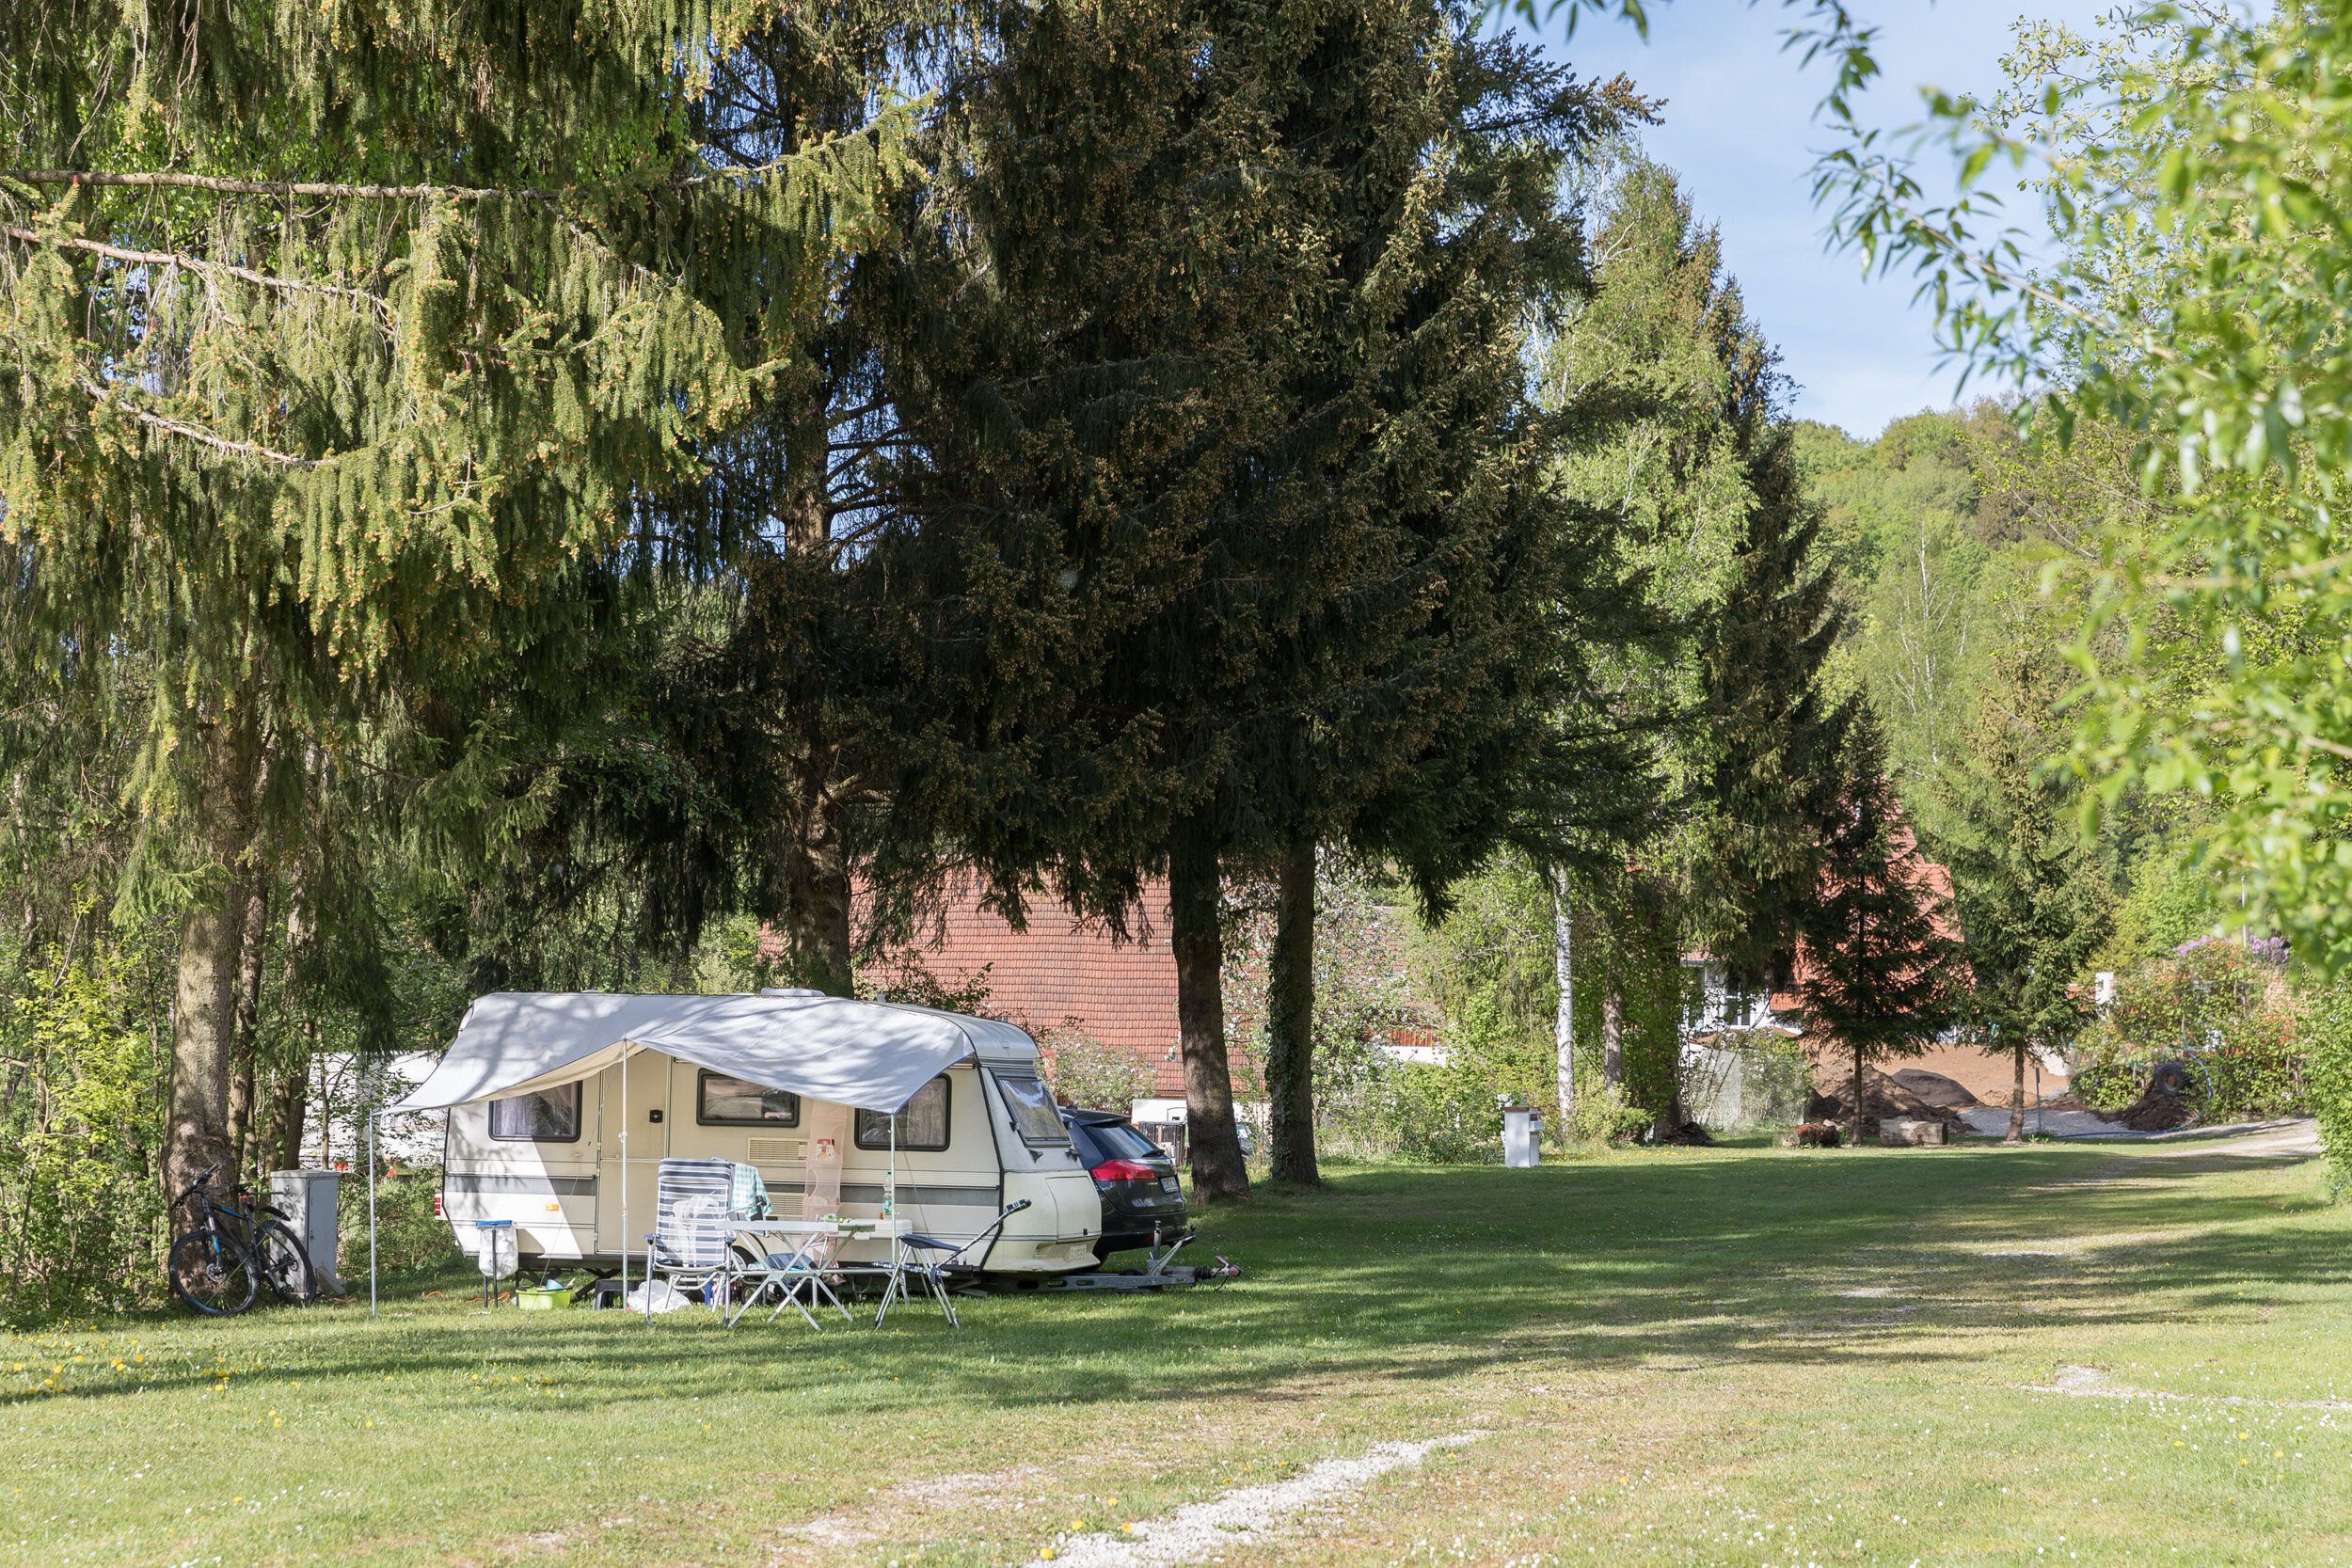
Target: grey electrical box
1522,1136
309,1198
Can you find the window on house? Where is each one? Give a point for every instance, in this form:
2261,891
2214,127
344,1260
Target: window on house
1694,996
550,1116
922,1125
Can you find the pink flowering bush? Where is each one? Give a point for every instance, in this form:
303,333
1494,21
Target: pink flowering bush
2229,1000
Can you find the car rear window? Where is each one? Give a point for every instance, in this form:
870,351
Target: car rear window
1120,1141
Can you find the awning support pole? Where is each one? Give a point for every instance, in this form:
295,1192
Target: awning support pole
372,1213
624,1192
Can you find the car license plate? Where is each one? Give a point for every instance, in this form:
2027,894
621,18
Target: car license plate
1169,1184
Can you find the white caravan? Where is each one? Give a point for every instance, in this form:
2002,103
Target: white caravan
552,1095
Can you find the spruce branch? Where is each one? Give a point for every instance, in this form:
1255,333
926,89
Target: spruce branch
221,185
196,264
195,432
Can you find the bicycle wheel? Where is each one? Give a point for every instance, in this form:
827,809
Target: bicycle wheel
284,1264
213,1273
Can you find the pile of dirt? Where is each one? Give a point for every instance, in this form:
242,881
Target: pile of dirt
1882,1097
1935,1088
2156,1113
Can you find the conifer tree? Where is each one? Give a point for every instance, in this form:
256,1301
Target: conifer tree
338,334
1373,541
1879,978
1773,735
1703,468
2032,896
1085,390
1424,687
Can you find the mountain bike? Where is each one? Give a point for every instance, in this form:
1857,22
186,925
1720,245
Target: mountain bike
216,1268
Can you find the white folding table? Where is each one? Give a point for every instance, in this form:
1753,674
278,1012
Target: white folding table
797,1270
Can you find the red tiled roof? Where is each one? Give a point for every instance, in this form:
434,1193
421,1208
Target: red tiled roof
1061,973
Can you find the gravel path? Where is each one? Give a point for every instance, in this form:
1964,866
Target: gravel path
1197,1532
1993,1122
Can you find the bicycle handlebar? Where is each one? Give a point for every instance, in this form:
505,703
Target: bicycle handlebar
198,1185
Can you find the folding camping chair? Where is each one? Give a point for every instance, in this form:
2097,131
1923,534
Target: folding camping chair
689,1241
947,1255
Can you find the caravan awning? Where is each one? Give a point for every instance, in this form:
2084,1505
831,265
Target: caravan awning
869,1054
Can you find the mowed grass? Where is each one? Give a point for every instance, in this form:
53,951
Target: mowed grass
1749,1357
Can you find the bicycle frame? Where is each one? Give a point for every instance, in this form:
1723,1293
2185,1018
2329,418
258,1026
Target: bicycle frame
248,1228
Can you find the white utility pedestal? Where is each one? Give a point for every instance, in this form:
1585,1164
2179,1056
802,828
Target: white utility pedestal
309,1198
1522,1136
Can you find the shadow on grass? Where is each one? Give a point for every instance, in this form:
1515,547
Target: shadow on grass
1426,1274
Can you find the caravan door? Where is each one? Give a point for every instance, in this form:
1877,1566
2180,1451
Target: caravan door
648,1128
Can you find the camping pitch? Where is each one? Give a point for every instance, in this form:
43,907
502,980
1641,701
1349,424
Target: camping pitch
562,1104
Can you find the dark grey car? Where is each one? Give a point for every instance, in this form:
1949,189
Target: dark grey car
1137,1181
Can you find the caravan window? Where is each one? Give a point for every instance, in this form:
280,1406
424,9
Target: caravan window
922,1125
723,1101
1035,1115
550,1116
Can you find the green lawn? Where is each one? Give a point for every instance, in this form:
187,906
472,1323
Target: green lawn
1739,1357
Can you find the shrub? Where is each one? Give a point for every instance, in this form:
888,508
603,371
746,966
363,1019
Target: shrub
1605,1118
81,1218
1088,1073
2229,1000
409,1235
1438,1112
2324,1026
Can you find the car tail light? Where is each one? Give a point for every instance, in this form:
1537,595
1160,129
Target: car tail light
438,1213
1123,1170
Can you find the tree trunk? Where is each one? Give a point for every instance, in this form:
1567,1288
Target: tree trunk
1853,1118
1290,1078
254,943
204,1001
1667,1125
1219,1170
288,1100
1613,1028
817,862
816,886
2017,1100
1564,1015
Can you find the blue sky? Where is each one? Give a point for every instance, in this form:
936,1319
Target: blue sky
1739,129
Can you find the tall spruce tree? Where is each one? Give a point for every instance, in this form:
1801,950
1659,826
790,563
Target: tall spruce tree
1378,547
337,337
1121,277
1702,468
1879,978
1773,735
1423,687
2033,896
760,695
